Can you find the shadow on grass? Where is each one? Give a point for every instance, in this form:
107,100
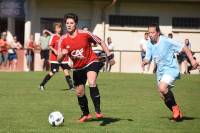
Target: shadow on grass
185,118
73,90
108,120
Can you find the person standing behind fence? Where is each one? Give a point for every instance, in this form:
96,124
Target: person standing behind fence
110,48
44,46
3,50
184,58
143,48
30,53
12,54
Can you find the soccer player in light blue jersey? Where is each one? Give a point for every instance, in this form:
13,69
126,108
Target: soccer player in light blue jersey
162,50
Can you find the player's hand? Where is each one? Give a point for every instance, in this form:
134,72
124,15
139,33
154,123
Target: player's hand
60,57
110,59
143,64
195,64
112,62
64,51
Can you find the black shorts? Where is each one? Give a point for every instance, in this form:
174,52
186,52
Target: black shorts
80,76
44,54
55,67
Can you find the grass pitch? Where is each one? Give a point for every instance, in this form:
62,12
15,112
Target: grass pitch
130,102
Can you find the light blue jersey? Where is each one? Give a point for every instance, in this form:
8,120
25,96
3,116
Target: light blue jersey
163,54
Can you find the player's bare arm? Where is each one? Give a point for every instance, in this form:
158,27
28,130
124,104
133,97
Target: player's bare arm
144,62
47,31
188,52
109,55
52,49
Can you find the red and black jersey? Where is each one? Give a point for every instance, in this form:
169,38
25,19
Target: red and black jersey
54,42
79,48
3,46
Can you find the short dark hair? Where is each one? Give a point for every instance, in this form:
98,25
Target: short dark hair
170,35
72,16
156,26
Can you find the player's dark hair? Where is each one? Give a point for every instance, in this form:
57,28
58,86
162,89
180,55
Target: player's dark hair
156,26
72,16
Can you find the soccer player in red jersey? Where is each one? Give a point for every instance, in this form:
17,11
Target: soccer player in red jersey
77,45
53,45
3,49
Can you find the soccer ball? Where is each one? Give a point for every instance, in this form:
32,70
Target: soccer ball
56,118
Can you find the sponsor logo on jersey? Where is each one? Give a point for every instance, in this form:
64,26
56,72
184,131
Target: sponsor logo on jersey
77,54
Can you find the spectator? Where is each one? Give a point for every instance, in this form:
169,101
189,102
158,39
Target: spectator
111,48
12,54
184,58
3,50
44,46
143,48
30,53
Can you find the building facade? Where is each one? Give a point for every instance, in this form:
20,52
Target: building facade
125,21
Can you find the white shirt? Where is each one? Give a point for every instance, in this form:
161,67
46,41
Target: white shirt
110,47
143,44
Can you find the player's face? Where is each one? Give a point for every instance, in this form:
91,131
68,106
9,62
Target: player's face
71,25
15,38
153,34
186,41
58,29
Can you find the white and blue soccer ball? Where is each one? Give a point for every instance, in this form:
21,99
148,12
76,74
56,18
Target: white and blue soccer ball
56,118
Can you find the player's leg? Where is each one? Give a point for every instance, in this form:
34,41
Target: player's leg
10,61
92,73
5,59
165,101
1,59
79,78
66,70
169,99
54,69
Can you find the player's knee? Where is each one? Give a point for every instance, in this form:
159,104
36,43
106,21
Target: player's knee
51,73
163,90
79,92
66,72
92,83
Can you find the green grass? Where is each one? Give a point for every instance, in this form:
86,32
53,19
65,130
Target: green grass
130,103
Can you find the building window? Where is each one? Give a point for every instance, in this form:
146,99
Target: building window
190,23
136,21
47,23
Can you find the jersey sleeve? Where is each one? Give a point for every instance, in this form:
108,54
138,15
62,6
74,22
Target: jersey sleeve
62,45
52,40
148,52
94,39
176,46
